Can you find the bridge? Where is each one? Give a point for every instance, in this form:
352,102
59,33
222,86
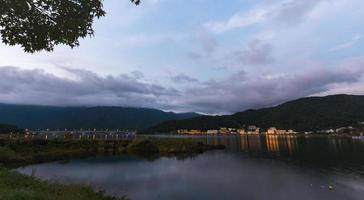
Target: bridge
77,135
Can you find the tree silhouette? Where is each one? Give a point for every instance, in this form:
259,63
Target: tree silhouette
38,25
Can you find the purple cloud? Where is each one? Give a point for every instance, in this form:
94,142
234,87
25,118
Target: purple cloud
183,78
256,53
237,92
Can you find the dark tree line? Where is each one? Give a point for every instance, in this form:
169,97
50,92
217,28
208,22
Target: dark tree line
38,25
7,128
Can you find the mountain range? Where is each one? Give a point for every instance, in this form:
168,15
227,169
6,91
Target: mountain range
305,114
42,117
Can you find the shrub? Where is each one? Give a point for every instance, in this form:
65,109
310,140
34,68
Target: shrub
142,147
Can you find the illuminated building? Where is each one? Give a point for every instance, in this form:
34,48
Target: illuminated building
212,132
223,131
241,131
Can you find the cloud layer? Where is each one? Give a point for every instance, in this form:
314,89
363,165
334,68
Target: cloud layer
241,91
83,88
238,92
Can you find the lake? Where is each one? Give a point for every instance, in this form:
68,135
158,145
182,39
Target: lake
252,167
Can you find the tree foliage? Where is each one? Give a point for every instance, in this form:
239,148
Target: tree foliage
38,25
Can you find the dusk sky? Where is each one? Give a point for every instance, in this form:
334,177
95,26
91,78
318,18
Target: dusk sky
208,56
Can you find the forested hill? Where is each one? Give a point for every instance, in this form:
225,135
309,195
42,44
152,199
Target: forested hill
305,114
35,117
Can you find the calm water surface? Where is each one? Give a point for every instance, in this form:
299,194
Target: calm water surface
253,167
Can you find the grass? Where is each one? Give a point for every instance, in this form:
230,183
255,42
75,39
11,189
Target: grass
143,147
15,153
15,186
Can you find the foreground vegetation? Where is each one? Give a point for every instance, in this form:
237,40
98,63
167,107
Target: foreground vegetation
15,186
19,152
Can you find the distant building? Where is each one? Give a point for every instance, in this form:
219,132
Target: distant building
330,131
182,131
189,132
252,128
232,131
275,131
241,131
223,131
212,132
272,131
344,130
195,132
256,132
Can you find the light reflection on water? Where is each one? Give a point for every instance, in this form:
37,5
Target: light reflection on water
253,167
319,151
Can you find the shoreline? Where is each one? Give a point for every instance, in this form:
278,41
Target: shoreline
18,153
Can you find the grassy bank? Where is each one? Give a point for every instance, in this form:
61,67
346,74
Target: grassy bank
14,153
15,186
